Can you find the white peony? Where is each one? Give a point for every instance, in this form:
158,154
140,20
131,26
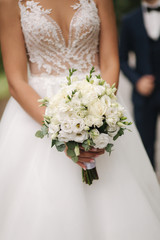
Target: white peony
101,141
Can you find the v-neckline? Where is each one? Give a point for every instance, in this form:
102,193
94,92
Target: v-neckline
67,42
48,11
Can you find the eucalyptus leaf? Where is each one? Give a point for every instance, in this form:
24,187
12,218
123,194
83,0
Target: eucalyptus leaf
53,143
39,134
44,129
71,153
60,146
71,145
75,159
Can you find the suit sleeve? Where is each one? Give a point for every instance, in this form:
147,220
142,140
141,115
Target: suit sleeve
124,49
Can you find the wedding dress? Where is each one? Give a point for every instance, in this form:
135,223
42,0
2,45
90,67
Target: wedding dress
42,196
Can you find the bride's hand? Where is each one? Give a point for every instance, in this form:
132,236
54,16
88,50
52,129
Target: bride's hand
88,156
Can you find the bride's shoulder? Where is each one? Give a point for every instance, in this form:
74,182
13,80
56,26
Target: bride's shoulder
104,5
8,9
9,2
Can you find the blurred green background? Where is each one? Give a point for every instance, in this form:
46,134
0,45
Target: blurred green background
121,8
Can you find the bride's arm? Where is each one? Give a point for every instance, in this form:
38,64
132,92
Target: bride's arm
15,59
108,48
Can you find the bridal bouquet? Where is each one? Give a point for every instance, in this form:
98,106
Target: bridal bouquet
83,114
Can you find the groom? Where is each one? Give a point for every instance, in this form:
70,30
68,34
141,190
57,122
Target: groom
141,34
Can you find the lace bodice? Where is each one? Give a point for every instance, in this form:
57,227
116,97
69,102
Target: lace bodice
46,47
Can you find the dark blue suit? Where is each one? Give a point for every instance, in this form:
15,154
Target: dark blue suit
134,38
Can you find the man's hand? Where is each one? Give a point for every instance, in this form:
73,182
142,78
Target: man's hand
145,85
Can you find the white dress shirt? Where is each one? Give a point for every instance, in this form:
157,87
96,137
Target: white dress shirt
152,20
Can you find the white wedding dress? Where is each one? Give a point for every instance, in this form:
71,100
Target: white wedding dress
42,196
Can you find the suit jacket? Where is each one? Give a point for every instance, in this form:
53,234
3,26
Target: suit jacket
134,38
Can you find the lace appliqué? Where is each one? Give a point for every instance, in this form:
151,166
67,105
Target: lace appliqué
46,46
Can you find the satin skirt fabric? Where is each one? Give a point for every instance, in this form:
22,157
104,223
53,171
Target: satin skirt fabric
42,196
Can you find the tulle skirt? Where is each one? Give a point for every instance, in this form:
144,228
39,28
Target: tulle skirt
42,196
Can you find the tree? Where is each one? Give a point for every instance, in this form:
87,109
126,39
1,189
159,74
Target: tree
124,6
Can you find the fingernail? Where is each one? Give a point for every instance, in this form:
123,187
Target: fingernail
92,161
94,149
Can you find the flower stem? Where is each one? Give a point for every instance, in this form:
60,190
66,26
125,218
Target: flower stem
89,175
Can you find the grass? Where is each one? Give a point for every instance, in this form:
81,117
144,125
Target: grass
4,93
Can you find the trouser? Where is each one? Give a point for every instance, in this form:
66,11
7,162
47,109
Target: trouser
146,115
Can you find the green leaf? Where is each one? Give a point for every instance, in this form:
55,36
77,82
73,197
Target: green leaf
109,148
87,144
103,128
72,155
75,159
53,143
92,71
44,129
98,76
39,134
119,134
60,146
71,145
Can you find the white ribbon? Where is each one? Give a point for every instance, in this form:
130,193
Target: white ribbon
90,165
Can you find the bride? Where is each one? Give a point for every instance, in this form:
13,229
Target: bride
42,196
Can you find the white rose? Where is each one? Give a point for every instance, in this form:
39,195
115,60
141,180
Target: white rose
100,90
106,100
93,120
101,141
77,125
112,121
79,137
74,125
96,80
53,128
97,109
65,137
94,133
109,91
66,126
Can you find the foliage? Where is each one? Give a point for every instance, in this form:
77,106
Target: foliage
4,93
124,6
1,64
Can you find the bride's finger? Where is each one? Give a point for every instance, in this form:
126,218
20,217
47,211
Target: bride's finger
83,159
81,165
93,150
90,154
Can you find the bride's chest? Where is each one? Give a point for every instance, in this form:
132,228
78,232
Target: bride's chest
37,23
